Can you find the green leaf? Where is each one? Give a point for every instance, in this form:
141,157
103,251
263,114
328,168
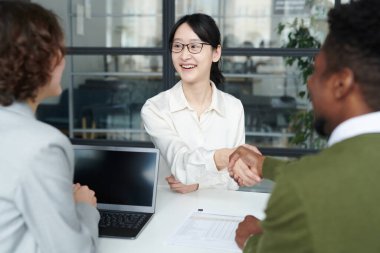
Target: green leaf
299,36
302,94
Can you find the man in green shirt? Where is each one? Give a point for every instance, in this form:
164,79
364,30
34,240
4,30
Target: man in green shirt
327,202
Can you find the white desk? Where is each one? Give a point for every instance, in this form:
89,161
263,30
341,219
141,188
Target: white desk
171,211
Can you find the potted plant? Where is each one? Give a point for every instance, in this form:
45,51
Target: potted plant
299,36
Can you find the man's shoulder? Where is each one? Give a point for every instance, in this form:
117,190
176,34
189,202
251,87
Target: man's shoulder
344,157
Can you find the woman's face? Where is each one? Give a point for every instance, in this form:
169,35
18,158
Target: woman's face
193,68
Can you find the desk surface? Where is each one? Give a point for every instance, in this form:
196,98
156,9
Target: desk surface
171,211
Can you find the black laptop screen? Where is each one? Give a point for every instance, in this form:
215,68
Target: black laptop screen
117,177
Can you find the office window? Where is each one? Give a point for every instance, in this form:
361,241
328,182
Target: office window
118,57
253,23
107,93
116,23
269,91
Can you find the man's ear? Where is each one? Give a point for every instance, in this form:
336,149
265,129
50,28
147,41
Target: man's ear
343,83
217,53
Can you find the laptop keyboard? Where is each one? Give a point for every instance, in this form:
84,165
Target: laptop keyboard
114,219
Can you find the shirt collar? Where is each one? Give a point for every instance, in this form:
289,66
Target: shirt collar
364,124
217,102
178,100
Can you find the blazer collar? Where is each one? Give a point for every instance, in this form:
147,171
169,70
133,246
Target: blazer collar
21,108
178,100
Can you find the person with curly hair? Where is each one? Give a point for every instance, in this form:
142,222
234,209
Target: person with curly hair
327,202
41,210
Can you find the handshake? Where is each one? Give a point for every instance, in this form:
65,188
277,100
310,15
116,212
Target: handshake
245,165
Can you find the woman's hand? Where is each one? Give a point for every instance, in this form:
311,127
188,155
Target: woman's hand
84,194
222,156
177,186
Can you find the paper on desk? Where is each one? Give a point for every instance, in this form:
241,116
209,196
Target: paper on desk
207,230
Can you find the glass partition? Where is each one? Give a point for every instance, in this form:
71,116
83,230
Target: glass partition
106,94
117,60
116,23
272,96
254,23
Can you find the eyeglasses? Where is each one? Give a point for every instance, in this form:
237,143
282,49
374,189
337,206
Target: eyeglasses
194,48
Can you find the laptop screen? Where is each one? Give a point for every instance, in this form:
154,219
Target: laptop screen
121,176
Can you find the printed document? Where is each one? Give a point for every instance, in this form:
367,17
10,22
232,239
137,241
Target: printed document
207,230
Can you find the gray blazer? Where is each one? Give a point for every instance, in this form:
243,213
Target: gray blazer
37,209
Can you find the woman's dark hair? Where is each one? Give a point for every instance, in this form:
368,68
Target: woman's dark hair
31,42
354,42
207,30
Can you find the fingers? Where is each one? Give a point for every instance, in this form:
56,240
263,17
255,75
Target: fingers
250,156
247,174
172,180
233,158
84,194
94,201
181,188
245,152
177,186
244,175
242,152
76,187
243,231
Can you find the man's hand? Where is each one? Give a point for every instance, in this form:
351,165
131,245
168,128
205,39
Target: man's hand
245,165
249,226
177,186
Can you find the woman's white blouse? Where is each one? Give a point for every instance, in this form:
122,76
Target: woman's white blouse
187,143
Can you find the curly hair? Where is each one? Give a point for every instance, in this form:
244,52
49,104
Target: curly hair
32,41
354,42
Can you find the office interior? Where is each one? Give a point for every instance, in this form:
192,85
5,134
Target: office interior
118,57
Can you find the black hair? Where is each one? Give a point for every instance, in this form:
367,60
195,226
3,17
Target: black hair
354,42
207,30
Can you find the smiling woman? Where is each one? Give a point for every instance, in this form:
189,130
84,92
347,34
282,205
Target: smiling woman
194,124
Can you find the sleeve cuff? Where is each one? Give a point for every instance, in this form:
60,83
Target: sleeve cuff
250,246
219,180
210,162
90,217
271,167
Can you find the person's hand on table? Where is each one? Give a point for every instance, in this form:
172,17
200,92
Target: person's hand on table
245,165
248,227
177,186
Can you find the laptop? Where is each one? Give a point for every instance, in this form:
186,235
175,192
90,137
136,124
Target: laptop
125,183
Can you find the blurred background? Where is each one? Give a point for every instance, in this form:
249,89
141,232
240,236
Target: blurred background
118,57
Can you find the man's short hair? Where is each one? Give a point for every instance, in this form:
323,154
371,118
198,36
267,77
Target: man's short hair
354,42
